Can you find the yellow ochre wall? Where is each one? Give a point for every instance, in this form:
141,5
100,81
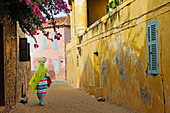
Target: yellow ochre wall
72,19
97,9
121,41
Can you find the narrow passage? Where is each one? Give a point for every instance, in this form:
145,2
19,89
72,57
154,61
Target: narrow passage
62,98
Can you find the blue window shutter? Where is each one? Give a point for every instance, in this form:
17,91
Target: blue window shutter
56,66
31,43
152,49
43,43
55,43
33,67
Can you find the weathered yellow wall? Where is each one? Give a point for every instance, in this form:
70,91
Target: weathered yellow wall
80,15
121,41
164,33
72,22
72,19
97,9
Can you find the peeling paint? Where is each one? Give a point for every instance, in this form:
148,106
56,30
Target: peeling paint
122,70
145,96
113,94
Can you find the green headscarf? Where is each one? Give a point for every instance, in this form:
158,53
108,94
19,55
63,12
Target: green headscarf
38,75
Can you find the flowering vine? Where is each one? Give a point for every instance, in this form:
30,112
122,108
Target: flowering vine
31,14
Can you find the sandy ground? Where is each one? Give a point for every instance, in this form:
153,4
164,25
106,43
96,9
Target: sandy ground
62,98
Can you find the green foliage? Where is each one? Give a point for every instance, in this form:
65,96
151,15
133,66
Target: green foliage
113,4
117,2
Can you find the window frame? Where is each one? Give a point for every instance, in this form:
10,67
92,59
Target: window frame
55,47
24,48
44,42
152,58
56,67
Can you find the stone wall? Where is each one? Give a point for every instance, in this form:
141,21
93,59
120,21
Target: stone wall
16,73
10,42
23,68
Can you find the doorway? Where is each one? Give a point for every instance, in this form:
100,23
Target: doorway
96,69
2,88
96,9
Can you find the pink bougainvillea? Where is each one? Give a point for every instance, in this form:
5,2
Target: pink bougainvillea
43,10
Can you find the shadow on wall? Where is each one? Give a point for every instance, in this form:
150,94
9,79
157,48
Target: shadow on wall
106,67
87,75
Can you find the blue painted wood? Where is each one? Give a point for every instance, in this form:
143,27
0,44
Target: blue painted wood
152,48
56,66
55,43
44,45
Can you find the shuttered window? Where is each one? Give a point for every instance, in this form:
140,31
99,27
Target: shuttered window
152,48
56,66
55,43
43,42
24,49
